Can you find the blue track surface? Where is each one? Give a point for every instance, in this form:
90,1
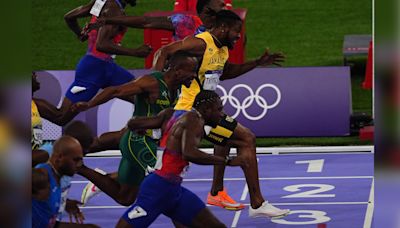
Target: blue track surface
320,188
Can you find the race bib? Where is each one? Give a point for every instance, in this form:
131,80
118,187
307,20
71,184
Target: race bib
211,80
160,153
37,137
156,133
97,6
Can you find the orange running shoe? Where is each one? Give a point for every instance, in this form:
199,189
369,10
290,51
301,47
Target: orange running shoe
222,199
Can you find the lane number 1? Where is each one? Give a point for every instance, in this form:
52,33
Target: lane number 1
314,166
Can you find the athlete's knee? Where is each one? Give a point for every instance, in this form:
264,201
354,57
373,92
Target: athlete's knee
62,119
245,136
125,201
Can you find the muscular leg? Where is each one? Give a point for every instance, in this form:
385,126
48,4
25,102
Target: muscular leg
59,116
206,219
123,224
107,141
245,141
124,194
219,170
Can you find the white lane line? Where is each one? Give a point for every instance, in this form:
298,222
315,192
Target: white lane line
263,178
247,204
274,150
238,213
370,208
245,192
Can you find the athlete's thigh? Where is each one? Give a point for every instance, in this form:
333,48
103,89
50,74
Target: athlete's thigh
139,153
187,208
89,75
118,75
150,203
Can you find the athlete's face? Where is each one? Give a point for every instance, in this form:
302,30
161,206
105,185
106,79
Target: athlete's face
233,35
214,114
187,72
70,162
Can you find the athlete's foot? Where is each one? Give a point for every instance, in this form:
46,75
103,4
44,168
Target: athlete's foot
90,189
222,199
268,210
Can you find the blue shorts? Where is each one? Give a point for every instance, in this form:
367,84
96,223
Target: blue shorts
93,74
159,196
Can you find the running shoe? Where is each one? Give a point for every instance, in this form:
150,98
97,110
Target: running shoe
268,210
90,189
222,199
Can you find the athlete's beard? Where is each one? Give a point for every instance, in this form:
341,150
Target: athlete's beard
229,44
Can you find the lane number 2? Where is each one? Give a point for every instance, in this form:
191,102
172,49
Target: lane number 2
314,193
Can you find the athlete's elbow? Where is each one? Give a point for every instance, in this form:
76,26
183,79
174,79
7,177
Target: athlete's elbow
188,157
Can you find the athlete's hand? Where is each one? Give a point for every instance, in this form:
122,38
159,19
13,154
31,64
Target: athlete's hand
71,207
143,51
270,59
80,107
84,33
89,27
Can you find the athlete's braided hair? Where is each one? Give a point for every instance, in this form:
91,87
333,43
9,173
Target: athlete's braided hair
205,96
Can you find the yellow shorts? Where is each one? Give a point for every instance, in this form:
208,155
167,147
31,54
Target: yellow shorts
223,131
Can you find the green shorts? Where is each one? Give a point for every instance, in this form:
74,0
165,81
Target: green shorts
139,153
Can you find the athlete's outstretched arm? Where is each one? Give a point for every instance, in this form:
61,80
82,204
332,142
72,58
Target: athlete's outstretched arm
106,44
153,122
105,38
235,70
193,45
71,18
139,22
192,133
131,88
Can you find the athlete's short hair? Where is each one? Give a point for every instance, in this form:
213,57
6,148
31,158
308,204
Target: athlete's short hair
205,97
226,17
81,132
179,58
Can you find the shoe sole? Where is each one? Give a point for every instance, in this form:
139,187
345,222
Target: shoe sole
229,208
271,217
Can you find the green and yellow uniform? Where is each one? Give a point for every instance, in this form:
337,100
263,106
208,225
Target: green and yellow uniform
139,152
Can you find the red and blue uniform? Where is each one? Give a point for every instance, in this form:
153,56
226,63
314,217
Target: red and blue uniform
186,25
97,70
161,192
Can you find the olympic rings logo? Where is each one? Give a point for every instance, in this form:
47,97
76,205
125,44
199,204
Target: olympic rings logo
249,100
